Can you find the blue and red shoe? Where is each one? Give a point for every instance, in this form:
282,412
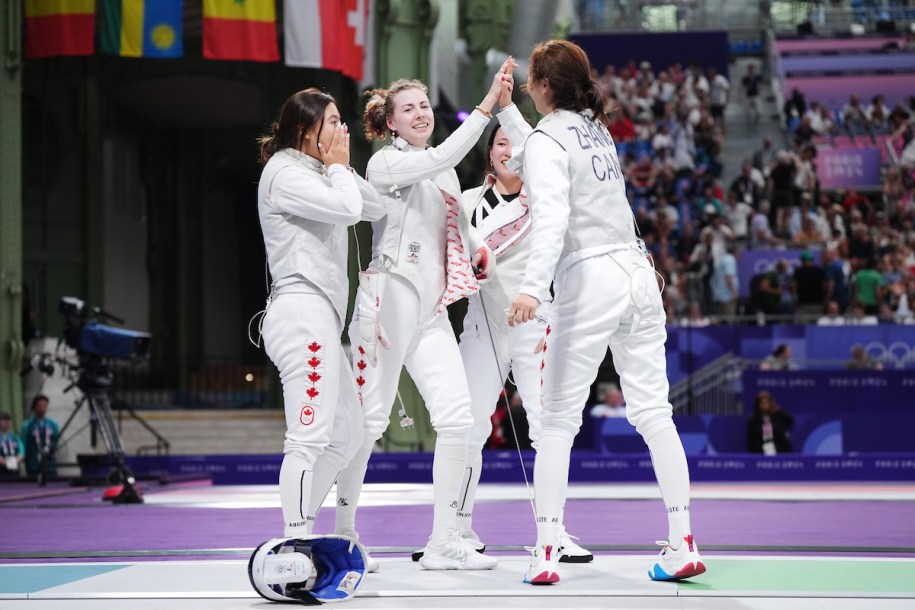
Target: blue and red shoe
678,564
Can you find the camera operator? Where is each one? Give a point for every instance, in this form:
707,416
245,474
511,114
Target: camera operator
40,434
10,447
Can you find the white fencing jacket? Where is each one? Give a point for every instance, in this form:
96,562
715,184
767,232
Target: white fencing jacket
304,210
577,196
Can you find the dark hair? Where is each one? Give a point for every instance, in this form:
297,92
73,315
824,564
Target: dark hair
299,114
490,142
780,350
566,67
759,398
381,105
38,398
5,416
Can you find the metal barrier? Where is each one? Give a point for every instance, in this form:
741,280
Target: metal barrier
711,390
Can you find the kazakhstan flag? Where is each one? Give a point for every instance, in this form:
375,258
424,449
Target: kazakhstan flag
142,28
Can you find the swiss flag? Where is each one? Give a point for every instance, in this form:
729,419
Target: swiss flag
329,34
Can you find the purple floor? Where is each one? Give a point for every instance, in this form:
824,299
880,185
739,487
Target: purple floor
79,522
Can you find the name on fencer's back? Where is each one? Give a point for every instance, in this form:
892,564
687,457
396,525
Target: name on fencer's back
604,163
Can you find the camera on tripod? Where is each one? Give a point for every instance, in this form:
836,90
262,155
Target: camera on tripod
84,333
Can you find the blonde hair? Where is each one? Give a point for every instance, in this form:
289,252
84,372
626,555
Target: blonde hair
381,105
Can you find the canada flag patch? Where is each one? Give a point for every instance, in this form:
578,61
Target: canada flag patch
307,416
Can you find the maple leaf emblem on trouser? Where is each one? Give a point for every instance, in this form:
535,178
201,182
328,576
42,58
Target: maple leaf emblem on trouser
314,377
314,362
315,347
307,416
360,380
312,392
361,364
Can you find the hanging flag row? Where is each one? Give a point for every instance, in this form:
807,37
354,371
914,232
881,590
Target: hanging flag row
329,34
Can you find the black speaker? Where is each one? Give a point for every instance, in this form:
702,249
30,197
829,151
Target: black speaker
805,28
886,26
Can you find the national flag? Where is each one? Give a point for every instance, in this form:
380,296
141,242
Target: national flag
240,30
142,28
329,34
59,27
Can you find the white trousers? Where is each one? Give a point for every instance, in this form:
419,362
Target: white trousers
324,424
429,351
607,300
488,356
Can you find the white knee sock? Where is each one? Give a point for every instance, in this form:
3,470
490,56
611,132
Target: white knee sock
295,492
467,493
447,474
551,480
325,472
349,487
672,473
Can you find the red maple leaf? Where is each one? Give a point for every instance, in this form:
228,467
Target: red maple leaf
314,362
360,380
314,347
361,364
548,330
314,377
544,347
312,392
361,351
542,364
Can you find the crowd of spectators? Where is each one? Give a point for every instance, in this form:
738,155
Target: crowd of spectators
669,127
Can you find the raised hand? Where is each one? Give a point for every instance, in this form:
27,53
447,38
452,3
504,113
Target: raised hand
338,151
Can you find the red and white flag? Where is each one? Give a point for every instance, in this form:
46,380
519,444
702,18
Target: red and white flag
328,34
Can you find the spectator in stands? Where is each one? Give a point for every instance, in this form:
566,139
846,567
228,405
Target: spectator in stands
738,215
699,272
695,318
724,283
836,272
896,197
621,127
769,428
11,451
859,317
854,117
878,115
856,201
609,82
805,177
719,95
745,186
865,284
772,288
822,120
809,235
794,108
763,158
40,434
760,230
860,359
833,316
809,288
779,360
804,133
614,405
750,84
861,248
782,173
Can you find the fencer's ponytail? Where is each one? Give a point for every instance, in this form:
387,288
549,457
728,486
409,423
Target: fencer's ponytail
566,67
381,105
267,143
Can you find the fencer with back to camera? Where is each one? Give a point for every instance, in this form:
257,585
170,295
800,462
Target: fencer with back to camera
307,197
424,251
499,211
584,241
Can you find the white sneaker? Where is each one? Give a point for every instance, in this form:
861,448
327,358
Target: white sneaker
570,552
678,564
470,538
457,554
544,566
371,564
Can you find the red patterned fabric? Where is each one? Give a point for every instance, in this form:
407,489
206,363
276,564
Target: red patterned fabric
459,279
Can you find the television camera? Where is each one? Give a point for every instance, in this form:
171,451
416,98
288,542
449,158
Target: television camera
97,345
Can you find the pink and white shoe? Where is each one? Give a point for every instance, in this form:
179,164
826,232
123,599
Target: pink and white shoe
544,567
678,564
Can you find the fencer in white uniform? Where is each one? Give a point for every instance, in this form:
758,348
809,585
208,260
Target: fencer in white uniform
423,252
499,211
584,242
307,196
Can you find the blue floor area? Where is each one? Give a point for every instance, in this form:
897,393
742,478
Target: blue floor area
32,578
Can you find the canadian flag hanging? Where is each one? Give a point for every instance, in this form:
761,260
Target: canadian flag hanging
329,34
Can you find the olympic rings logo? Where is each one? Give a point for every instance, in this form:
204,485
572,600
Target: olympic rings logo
897,354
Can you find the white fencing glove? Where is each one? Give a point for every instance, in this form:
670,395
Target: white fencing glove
368,312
